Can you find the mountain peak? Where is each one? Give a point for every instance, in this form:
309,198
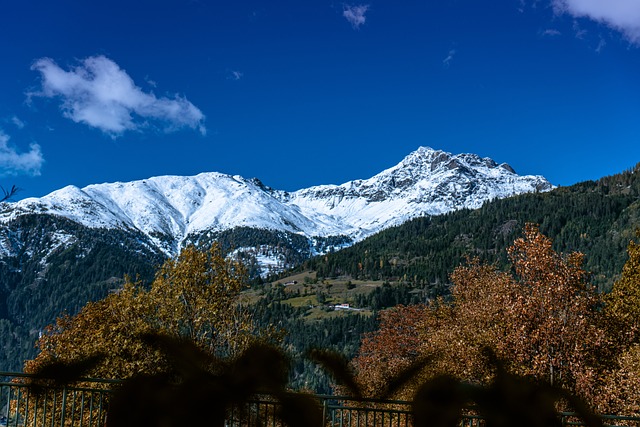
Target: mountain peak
429,159
426,182
171,210
424,154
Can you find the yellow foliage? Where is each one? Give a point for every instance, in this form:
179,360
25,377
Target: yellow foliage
623,302
619,390
194,297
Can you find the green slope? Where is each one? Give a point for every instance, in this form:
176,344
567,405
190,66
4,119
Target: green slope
596,218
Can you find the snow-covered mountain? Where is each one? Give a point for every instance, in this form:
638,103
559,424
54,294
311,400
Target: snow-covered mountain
426,182
170,211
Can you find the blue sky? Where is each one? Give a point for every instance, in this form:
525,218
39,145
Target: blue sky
301,93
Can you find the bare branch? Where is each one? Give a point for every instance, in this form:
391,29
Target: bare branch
8,194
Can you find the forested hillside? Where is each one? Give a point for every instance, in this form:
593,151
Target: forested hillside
79,264
341,334
413,260
596,218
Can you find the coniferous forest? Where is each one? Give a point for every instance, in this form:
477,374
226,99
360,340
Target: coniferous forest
596,218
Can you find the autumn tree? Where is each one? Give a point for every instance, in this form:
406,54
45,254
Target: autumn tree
390,349
195,297
623,302
553,333
453,334
477,317
540,319
619,391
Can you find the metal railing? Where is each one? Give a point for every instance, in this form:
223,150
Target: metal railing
340,411
26,400
570,419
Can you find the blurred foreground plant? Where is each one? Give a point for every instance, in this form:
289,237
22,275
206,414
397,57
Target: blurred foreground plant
202,389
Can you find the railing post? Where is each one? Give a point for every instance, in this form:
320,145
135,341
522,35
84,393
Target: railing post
324,410
8,404
64,405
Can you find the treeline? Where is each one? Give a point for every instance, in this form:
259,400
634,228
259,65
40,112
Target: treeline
596,218
389,296
249,243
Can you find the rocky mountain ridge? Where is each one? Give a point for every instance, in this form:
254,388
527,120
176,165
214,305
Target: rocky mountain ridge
171,211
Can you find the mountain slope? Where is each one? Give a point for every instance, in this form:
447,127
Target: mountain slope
172,210
50,263
595,218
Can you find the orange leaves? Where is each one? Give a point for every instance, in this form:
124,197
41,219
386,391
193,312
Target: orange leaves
194,296
535,262
541,321
391,349
556,311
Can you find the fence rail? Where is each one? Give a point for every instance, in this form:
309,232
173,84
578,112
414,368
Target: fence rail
26,401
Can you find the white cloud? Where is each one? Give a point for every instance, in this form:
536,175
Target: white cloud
621,15
235,75
355,14
16,121
14,163
551,32
447,61
102,95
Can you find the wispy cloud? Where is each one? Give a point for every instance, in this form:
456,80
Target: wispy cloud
523,4
621,15
579,32
150,82
551,32
14,163
256,14
235,75
355,14
17,122
446,62
100,94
